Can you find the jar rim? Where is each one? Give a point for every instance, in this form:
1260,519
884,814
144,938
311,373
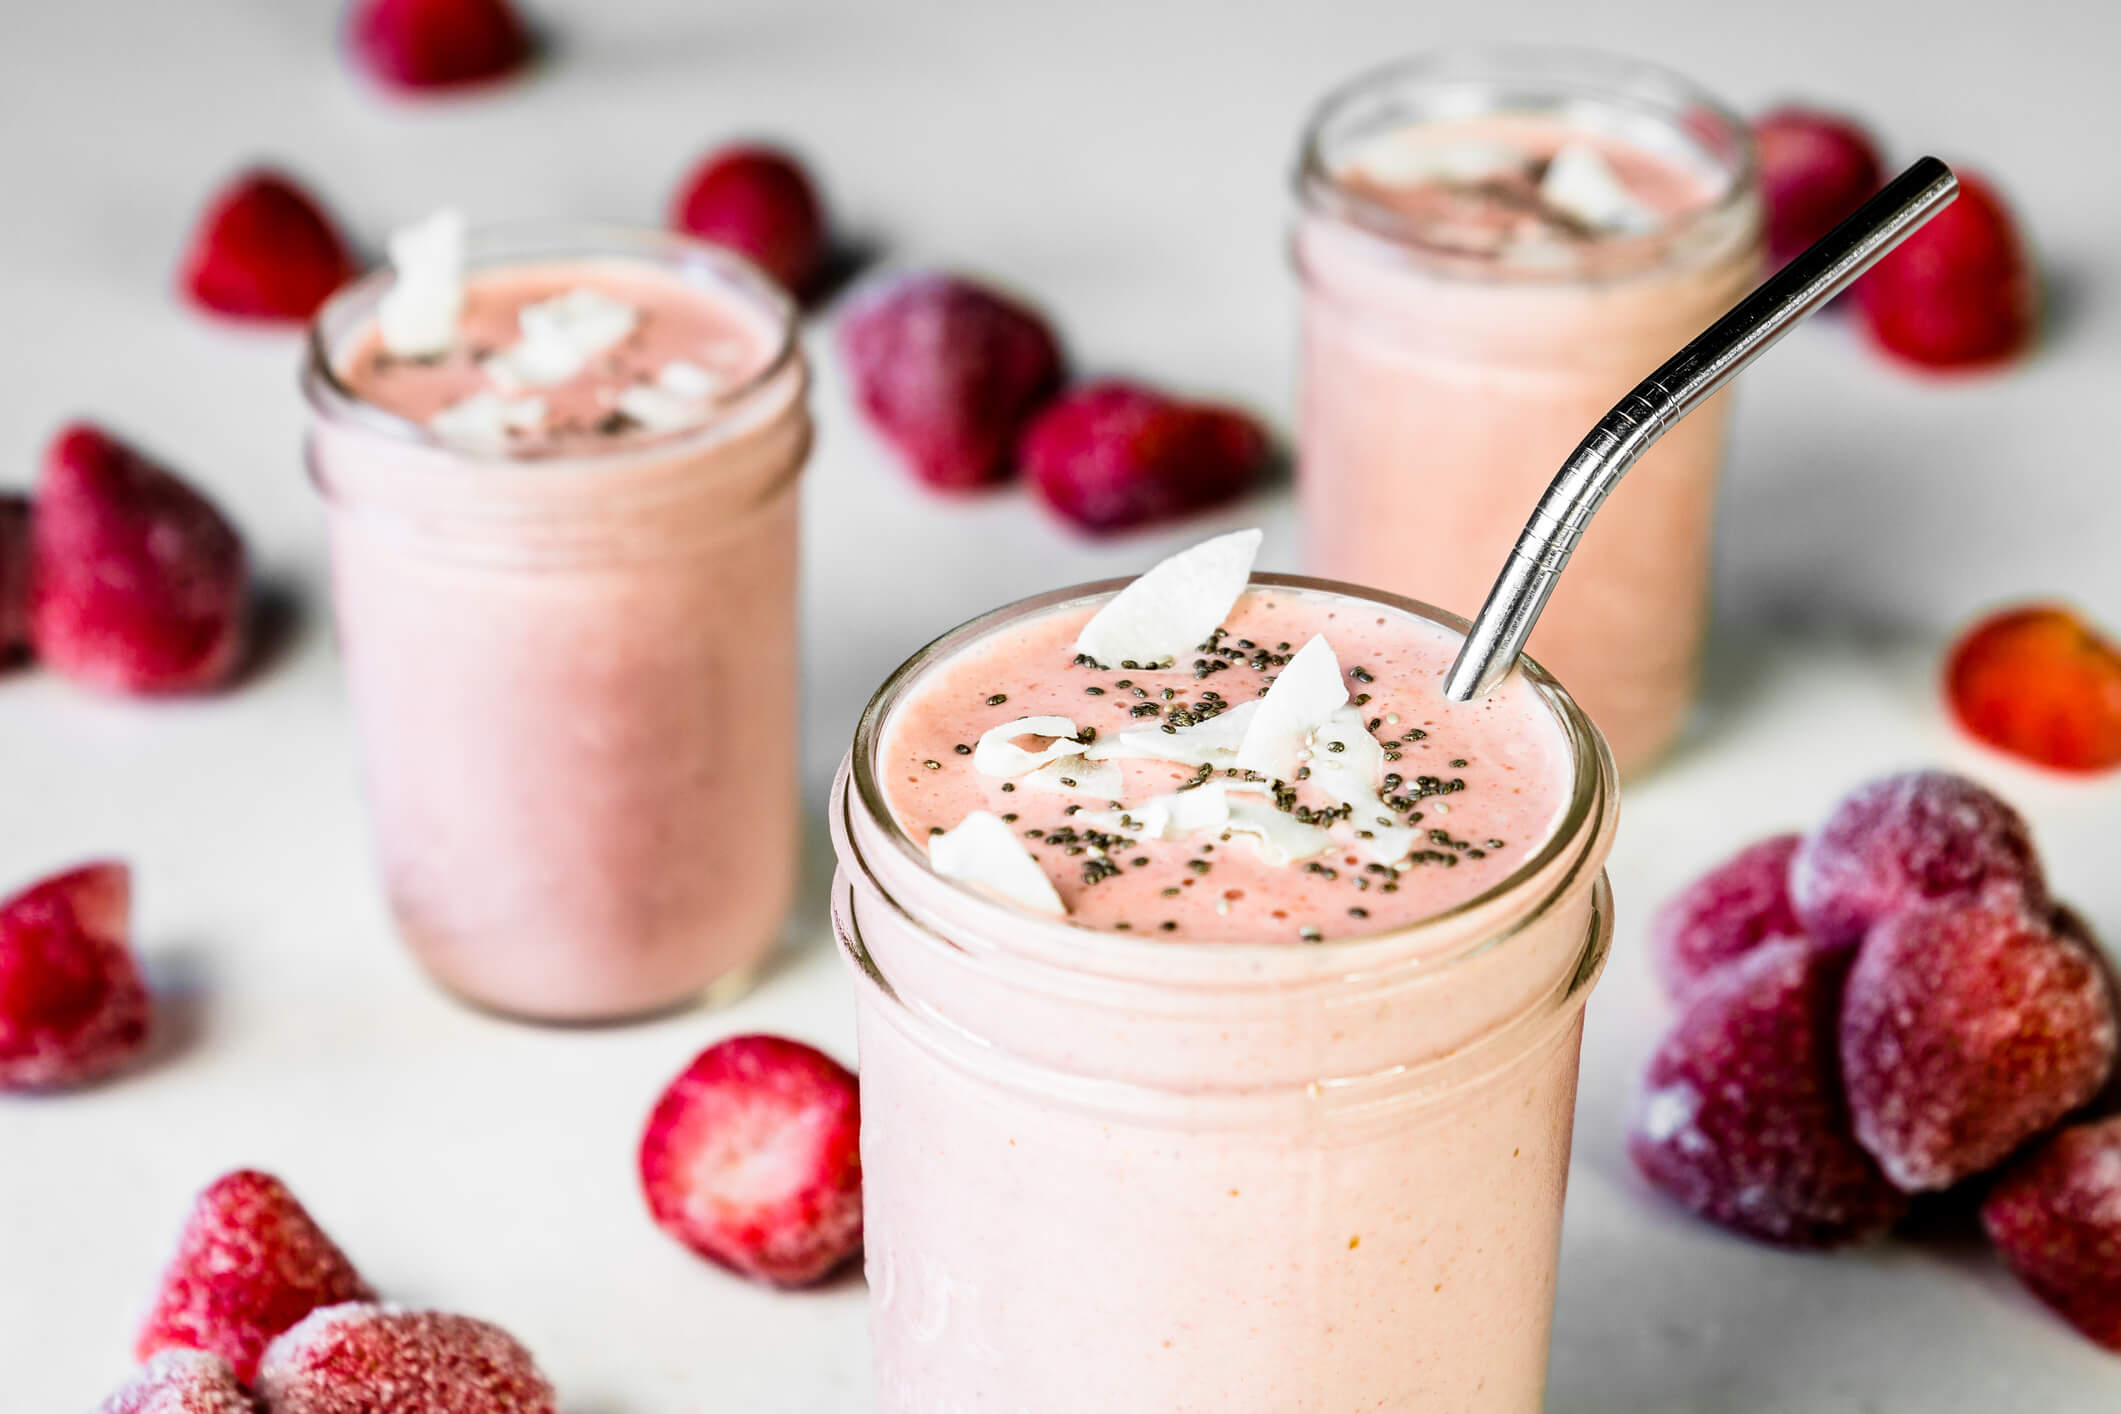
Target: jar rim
505,244
1559,70
1591,803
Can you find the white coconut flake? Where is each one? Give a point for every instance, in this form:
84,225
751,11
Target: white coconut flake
1281,837
1582,183
1308,690
560,336
1213,742
997,753
678,396
985,853
484,421
1164,817
1411,156
1167,612
419,312
1348,764
1077,775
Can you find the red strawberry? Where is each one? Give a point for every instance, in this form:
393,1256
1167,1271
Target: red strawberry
1966,1031
264,250
758,202
2042,684
364,1359
181,1382
72,1005
1960,292
1113,455
1741,1118
250,1263
1815,168
14,575
1901,841
426,44
137,584
949,373
2056,1218
751,1159
1729,911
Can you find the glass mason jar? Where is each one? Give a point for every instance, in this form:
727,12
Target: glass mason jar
1113,1173
574,675
1443,386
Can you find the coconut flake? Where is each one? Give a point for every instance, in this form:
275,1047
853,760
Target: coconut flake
484,421
560,336
1348,764
1305,693
997,753
1411,156
1077,775
1168,611
985,853
1282,838
1584,184
1213,742
419,312
1171,816
677,396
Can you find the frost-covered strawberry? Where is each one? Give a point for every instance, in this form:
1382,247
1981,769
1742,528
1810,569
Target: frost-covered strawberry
1966,1031
416,45
368,1359
138,584
1741,1118
2056,1218
759,202
72,1005
1726,913
181,1382
1114,455
1907,840
250,1263
1815,169
752,1159
1961,292
949,372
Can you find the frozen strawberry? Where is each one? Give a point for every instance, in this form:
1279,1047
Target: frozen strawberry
758,202
2056,1218
751,1159
137,583
1741,1118
949,372
2039,683
1113,455
2074,926
250,1263
14,576
1960,292
428,44
1966,1031
181,1382
366,1359
72,1005
1905,840
264,250
1815,168
1740,904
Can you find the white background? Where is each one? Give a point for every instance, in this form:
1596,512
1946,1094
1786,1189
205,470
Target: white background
1126,162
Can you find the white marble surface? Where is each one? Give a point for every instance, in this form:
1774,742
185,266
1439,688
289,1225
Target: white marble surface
1125,162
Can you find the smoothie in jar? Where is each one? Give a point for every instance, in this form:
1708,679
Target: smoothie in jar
1494,248
563,535
1220,995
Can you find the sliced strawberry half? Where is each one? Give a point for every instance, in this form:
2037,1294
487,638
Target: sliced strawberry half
752,1159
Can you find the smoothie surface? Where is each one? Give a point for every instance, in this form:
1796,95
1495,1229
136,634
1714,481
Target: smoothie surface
1483,783
715,343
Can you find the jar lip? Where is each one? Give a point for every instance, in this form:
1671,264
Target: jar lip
502,245
1556,69
1591,797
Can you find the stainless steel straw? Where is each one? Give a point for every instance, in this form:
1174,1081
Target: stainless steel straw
1684,382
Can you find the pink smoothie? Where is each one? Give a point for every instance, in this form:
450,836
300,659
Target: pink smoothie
1218,1167
1461,335
572,657
1485,781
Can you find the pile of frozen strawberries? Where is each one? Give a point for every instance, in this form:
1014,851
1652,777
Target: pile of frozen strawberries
1891,1006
